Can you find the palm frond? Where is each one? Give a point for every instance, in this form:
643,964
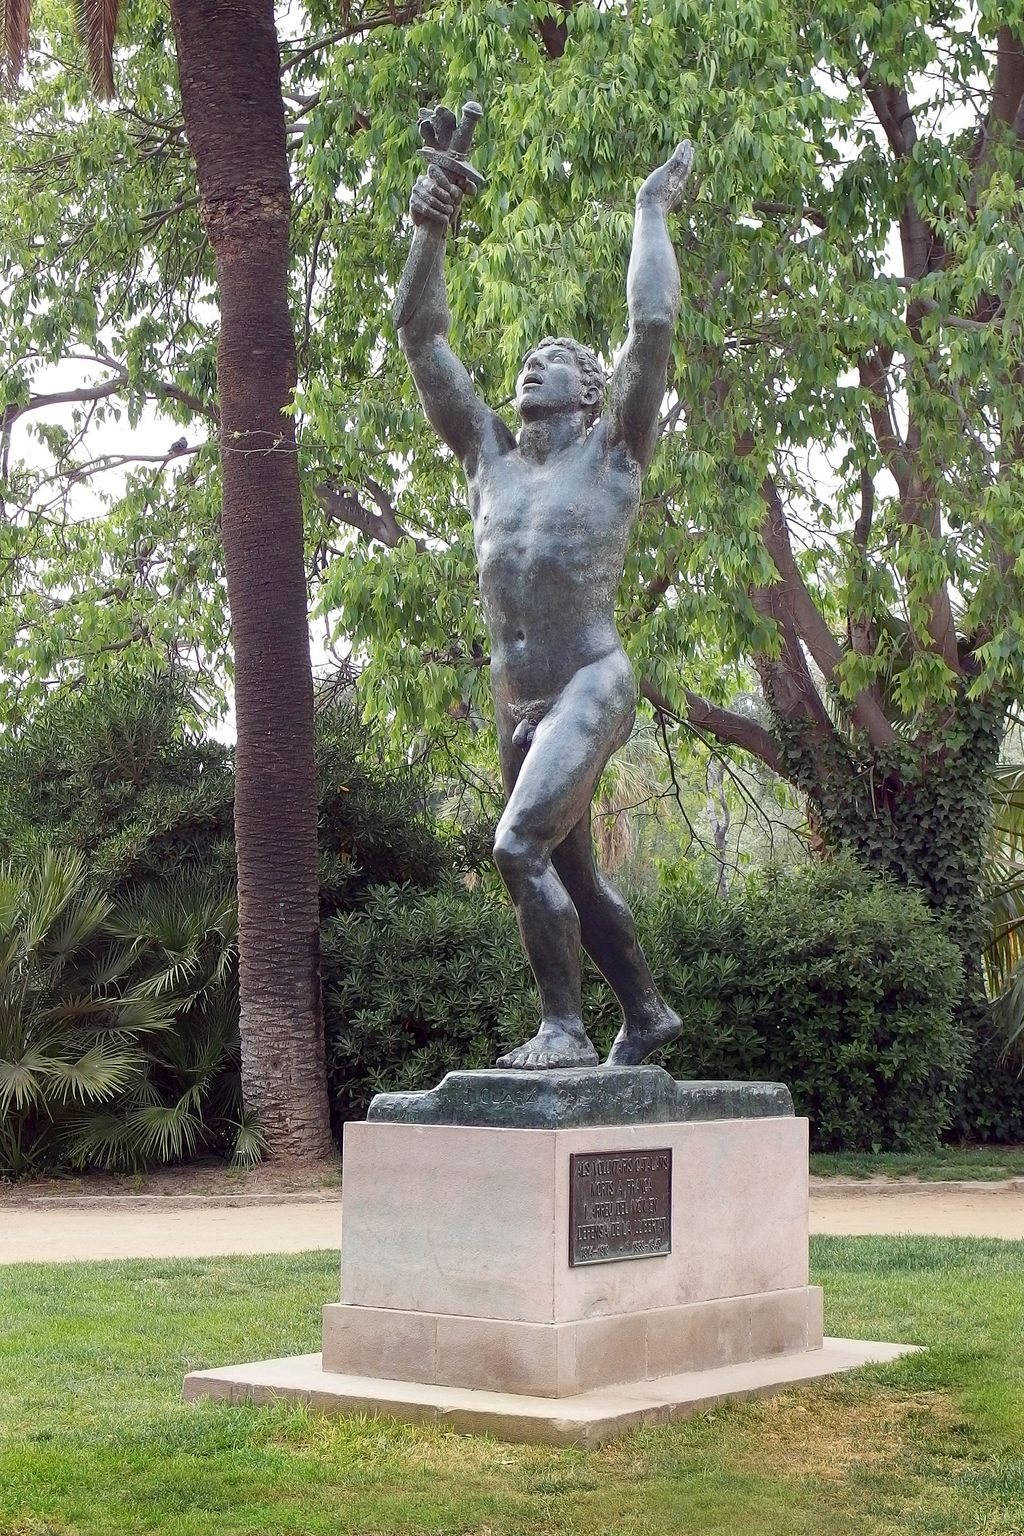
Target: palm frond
78,925
1003,955
223,1105
104,1070
11,888
19,1084
113,963
103,1141
97,26
250,1145
138,1014
200,1055
14,40
1008,810
49,884
166,1132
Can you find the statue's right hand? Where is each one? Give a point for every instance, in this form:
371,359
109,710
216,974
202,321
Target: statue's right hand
435,198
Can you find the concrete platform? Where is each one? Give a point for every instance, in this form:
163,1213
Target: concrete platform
586,1420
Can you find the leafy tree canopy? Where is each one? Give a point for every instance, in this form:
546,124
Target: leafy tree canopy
840,476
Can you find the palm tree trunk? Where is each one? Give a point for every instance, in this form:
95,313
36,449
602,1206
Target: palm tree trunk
229,65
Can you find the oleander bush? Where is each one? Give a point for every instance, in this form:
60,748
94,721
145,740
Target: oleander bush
828,979
416,983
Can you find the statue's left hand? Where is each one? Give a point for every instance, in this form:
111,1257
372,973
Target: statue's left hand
665,187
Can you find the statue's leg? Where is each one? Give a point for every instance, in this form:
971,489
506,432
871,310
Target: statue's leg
609,937
551,791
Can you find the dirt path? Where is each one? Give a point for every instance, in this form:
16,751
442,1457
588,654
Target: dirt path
976,1212
48,1231
60,1234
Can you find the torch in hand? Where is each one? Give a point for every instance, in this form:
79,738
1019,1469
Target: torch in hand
446,145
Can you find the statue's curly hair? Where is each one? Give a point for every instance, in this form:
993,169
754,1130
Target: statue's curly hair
589,364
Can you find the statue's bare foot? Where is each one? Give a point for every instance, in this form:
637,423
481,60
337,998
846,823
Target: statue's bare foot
554,1045
635,1041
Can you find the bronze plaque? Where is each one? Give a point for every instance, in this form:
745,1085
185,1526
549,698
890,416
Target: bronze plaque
620,1205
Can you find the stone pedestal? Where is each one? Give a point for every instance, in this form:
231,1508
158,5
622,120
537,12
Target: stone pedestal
455,1262
685,1280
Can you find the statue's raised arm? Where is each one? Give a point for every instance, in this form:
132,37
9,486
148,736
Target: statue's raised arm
652,296
421,316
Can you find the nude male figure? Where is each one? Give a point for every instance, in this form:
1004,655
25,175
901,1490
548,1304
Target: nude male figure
552,514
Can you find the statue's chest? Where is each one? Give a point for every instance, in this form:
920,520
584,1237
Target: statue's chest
539,510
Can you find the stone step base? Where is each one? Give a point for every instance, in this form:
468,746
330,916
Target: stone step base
564,1359
587,1419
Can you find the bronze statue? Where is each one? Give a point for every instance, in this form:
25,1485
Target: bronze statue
552,514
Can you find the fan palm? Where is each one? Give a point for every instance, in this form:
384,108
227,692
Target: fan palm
68,1033
178,940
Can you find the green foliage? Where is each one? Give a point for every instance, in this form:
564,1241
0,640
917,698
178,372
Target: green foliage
416,984
177,939
922,818
830,980
839,984
926,819
374,825
790,283
117,776
1004,950
993,1096
118,771
73,1029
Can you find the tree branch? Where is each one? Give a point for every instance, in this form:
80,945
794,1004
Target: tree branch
819,639
786,679
860,630
553,30
394,16
873,371
725,725
201,408
342,505
1007,102
923,251
86,393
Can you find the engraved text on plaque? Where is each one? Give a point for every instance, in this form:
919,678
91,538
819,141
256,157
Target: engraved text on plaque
620,1205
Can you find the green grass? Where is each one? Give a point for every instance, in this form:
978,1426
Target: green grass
981,1163
95,1440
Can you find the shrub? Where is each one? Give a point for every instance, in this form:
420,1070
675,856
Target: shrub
834,981
176,940
418,984
990,1105
374,827
830,980
118,773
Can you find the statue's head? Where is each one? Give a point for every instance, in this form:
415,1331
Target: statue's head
558,375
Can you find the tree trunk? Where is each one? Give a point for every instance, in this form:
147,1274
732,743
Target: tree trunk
229,66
